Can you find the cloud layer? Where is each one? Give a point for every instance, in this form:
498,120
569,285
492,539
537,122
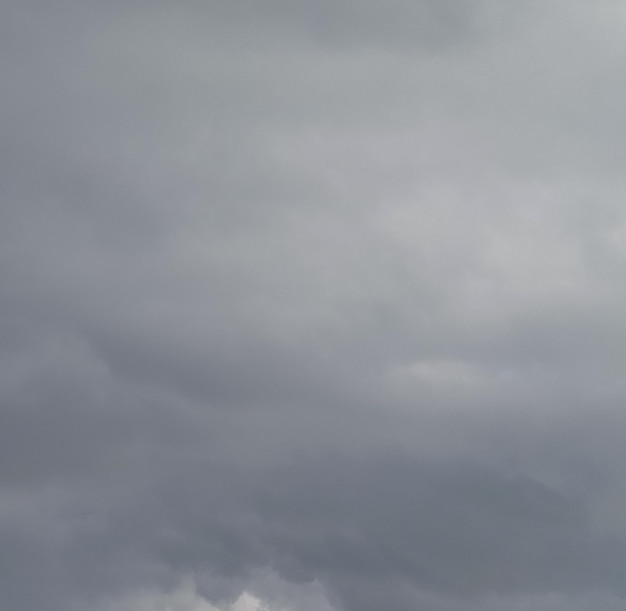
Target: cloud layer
312,306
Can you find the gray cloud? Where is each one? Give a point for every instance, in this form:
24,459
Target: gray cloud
312,305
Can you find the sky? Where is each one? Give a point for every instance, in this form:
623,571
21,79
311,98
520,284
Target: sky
312,305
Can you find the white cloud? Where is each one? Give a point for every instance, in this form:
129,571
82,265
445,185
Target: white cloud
185,598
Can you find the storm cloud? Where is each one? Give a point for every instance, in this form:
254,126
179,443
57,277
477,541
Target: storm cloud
312,306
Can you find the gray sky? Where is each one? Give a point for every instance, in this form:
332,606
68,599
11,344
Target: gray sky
312,306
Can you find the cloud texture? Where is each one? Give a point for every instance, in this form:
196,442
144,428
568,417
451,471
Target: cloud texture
312,306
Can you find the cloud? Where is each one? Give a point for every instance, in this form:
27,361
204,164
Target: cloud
184,599
318,303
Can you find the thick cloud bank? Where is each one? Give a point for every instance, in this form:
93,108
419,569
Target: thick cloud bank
312,306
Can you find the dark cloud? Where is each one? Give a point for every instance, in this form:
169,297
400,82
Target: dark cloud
311,304
422,25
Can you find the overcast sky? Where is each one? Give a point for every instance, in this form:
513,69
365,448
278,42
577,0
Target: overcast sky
312,305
